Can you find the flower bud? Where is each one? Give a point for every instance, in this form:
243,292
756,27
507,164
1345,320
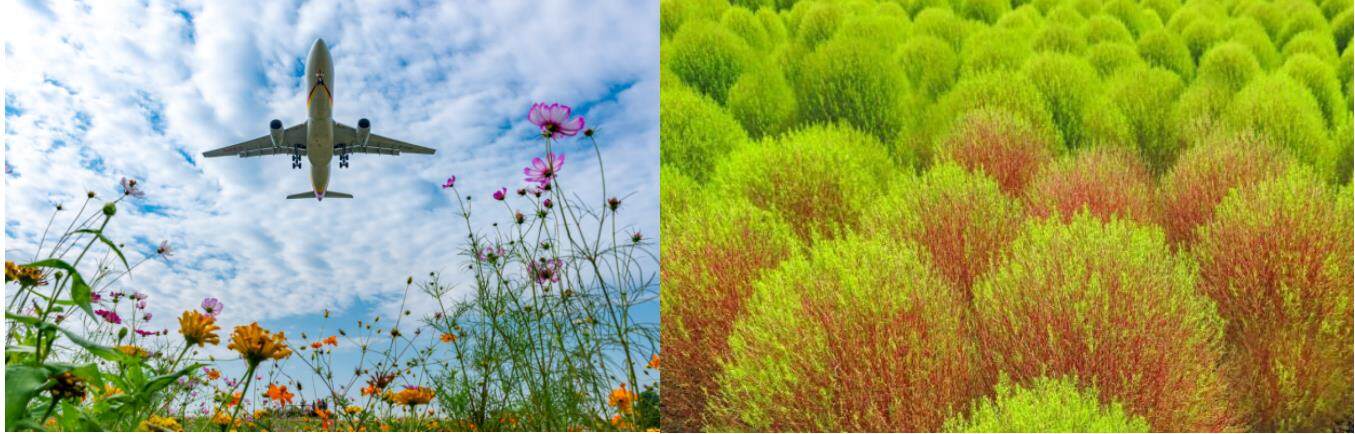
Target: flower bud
110,209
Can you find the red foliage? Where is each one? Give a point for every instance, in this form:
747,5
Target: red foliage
1106,181
1204,174
711,255
1277,260
1111,305
999,144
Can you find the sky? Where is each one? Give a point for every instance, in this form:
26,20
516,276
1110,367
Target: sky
100,90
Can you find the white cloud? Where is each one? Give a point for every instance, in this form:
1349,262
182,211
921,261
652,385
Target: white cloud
101,90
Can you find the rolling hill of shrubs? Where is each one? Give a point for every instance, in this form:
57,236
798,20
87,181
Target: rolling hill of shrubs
1007,215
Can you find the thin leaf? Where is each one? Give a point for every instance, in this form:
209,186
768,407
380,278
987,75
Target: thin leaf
80,291
110,245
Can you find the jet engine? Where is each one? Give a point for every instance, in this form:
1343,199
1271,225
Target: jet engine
275,132
364,130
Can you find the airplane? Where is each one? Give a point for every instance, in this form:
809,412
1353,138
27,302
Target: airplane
319,138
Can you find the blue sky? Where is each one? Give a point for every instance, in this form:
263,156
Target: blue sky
101,90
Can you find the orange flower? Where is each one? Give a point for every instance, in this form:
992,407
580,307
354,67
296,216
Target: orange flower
198,329
370,390
622,399
413,396
332,341
213,374
448,338
653,362
317,345
279,394
621,424
255,344
235,399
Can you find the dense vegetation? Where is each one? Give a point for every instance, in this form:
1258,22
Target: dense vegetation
1007,215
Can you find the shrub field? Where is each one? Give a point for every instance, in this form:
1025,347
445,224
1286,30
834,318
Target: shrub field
1007,215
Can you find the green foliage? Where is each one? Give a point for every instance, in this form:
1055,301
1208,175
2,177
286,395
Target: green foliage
763,102
1146,96
1105,28
673,14
815,177
1252,35
1230,65
987,11
1165,50
708,57
943,24
853,81
1047,405
676,190
748,26
1316,42
930,65
1317,76
818,23
993,49
1068,84
1109,57
826,334
695,131
1003,90
1281,110
1061,38
885,31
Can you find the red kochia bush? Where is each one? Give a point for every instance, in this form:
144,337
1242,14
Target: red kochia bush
1204,174
712,252
1000,144
1107,181
1112,305
962,219
1277,260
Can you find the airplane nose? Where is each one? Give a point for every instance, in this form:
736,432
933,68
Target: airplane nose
319,45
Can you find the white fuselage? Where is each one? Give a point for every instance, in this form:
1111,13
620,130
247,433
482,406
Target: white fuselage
320,116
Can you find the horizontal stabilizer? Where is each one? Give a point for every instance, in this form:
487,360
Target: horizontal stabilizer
312,195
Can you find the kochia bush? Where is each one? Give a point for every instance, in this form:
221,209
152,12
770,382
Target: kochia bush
1206,173
853,81
1146,96
1230,65
1277,260
814,177
712,252
1281,110
1067,83
763,101
860,335
1003,90
1046,405
694,131
708,57
1110,304
930,65
962,219
998,144
1107,182
1167,50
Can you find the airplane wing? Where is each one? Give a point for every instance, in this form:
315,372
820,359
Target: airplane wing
261,146
345,136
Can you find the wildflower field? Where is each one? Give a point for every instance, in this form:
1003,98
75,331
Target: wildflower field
1007,215
547,340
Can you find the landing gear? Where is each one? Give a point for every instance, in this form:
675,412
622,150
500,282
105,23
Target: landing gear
343,161
296,161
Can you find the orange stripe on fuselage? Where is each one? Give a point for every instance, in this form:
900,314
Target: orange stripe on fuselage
319,85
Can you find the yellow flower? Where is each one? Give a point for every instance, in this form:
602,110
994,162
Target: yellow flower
256,344
27,276
622,399
353,409
652,430
412,396
621,424
132,350
221,418
159,424
198,329
110,390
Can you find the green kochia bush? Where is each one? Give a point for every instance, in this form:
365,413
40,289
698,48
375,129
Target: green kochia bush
1067,83
712,252
853,81
1110,304
746,24
694,131
930,65
1146,96
1317,76
708,57
860,335
1230,65
1282,111
943,24
1111,57
1004,90
1166,50
814,177
1277,259
763,101
993,49
1046,405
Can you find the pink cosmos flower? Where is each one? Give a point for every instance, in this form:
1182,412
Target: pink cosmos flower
450,182
547,203
129,188
146,317
212,306
109,316
144,333
545,271
139,296
554,120
164,249
499,195
542,172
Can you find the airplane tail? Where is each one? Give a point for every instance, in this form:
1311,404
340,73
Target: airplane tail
313,195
